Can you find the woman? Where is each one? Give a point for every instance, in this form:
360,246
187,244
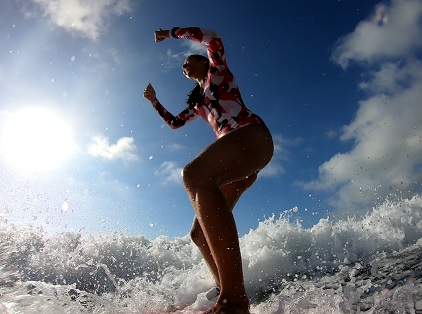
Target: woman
216,178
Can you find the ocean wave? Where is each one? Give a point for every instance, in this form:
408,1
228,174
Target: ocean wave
339,265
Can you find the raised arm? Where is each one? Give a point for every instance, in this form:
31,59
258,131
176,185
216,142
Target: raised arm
172,121
210,39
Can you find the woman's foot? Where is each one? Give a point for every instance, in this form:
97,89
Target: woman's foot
227,309
224,307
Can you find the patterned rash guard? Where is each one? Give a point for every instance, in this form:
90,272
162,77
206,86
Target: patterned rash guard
222,104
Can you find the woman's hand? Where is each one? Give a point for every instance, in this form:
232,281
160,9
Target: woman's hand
161,34
149,93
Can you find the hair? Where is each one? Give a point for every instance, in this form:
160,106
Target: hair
195,96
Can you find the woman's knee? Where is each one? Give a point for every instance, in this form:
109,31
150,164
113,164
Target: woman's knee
197,235
188,176
194,177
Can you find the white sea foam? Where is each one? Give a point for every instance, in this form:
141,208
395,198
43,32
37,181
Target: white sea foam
371,263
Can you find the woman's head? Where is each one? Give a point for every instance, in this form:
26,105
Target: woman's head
196,67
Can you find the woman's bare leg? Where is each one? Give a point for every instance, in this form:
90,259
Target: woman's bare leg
232,192
231,158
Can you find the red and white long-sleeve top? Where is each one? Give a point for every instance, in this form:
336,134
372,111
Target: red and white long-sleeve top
222,105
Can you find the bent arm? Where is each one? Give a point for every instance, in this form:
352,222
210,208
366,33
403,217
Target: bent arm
210,39
174,122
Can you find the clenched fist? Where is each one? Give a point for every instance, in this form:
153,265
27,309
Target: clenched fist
149,93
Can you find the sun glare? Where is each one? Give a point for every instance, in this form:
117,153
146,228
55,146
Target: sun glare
36,140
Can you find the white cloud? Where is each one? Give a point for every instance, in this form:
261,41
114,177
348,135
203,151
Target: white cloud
174,59
86,18
170,172
124,149
174,147
194,48
392,32
281,155
387,128
274,168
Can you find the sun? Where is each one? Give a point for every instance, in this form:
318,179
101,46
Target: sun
36,140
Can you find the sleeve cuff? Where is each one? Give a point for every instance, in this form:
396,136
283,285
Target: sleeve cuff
173,32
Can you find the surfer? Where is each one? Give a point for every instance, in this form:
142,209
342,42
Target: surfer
219,175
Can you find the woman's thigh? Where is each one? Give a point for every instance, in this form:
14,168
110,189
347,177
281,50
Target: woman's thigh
235,156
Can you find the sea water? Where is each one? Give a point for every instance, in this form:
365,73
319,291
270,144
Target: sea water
371,264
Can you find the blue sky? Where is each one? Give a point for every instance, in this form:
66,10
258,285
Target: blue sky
337,82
